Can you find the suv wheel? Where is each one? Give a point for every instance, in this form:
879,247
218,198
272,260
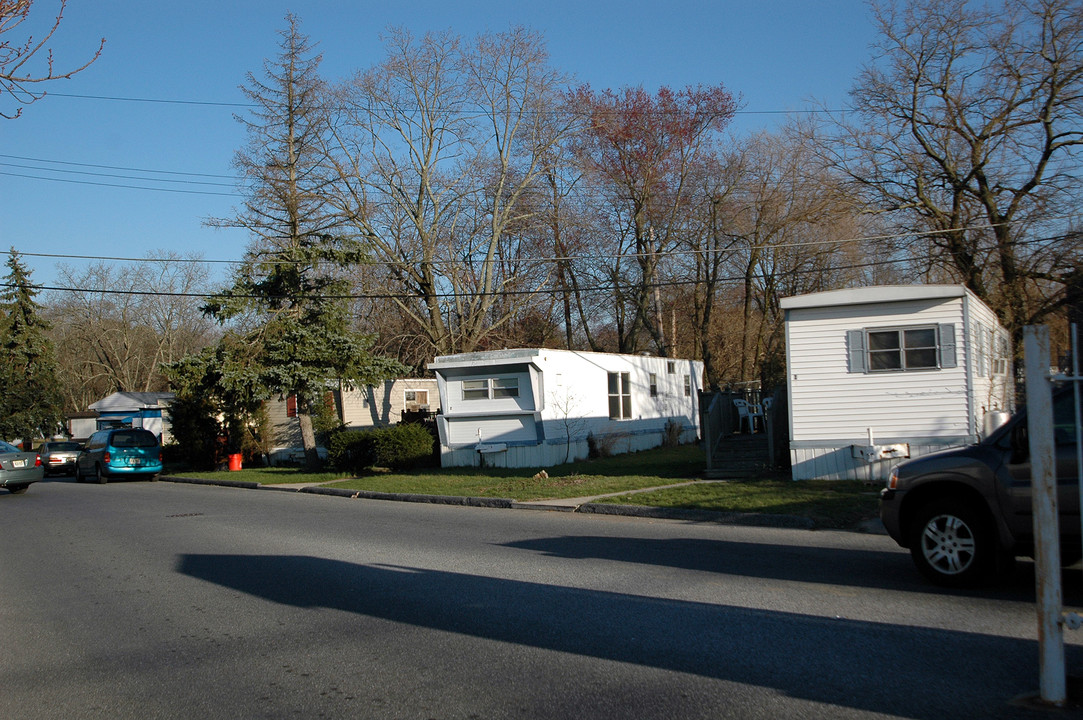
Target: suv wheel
951,544
99,475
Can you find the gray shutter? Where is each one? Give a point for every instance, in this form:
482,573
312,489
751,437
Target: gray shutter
947,346
855,347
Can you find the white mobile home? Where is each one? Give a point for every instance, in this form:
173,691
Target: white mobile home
537,407
877,374
146,410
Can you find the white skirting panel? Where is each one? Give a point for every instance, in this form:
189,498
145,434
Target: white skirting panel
839,463
553,453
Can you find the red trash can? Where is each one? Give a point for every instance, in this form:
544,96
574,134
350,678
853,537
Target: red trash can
235,462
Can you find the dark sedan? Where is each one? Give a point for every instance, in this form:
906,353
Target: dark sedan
18,469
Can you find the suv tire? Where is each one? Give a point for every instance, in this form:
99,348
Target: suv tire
951,544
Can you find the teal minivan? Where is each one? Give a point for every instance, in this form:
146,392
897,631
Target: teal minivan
127,452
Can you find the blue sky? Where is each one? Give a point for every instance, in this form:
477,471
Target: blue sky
778,55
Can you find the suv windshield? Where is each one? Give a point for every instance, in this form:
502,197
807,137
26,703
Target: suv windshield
133,438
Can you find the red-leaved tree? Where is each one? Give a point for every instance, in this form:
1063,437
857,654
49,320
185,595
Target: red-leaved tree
644,153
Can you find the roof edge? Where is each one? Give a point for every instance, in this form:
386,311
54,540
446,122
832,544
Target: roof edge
874,294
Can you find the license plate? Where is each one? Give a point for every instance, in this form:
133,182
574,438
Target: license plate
18,463
135,461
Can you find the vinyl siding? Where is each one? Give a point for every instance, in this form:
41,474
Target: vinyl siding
502,429
378,405
563,397
830,403
991,390
457,405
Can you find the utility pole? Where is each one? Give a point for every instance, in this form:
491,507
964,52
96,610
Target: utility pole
1043,467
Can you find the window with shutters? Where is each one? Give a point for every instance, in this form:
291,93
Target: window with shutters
901,349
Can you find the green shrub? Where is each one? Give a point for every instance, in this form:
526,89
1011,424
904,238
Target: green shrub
399,447
346,451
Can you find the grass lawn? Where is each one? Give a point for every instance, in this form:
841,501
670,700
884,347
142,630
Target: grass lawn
830,504
588,477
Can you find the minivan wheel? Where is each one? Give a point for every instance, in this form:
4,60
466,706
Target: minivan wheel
951,544
99,475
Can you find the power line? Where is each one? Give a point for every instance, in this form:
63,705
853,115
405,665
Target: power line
452,295
568,258
119,185
580,189
609,288
114,175
213,103
114,167
114,98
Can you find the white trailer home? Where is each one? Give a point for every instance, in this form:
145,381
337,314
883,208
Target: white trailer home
537,407
148,410
877,374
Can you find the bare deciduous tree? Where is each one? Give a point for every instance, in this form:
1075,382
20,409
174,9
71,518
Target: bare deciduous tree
643,152
437,151
968,127
794,230
18,73
117,325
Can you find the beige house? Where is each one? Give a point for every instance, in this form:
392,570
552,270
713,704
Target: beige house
364,407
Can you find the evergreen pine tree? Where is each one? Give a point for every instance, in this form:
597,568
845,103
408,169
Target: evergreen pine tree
296,335
31,403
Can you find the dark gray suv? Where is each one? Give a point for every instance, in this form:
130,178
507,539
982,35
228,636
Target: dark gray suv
964,513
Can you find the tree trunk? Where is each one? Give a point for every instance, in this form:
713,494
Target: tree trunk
308,436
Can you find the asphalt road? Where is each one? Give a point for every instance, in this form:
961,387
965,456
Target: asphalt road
162,600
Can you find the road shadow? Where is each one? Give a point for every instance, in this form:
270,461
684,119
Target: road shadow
890,569
875,667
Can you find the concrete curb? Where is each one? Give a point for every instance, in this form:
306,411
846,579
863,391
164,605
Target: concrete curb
408,497
726,518
795,522
202,481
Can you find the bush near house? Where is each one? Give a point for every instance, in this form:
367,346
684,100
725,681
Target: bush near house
398,447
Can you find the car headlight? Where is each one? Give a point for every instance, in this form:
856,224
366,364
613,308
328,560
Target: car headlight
893,478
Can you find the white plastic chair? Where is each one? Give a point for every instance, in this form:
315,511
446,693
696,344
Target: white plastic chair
747,414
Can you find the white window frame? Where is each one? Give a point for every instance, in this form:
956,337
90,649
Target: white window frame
861,353
502,386
472,387
619,385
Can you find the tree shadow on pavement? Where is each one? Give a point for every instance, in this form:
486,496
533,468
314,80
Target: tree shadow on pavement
868,666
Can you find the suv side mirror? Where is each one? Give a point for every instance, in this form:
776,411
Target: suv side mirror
1020,444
